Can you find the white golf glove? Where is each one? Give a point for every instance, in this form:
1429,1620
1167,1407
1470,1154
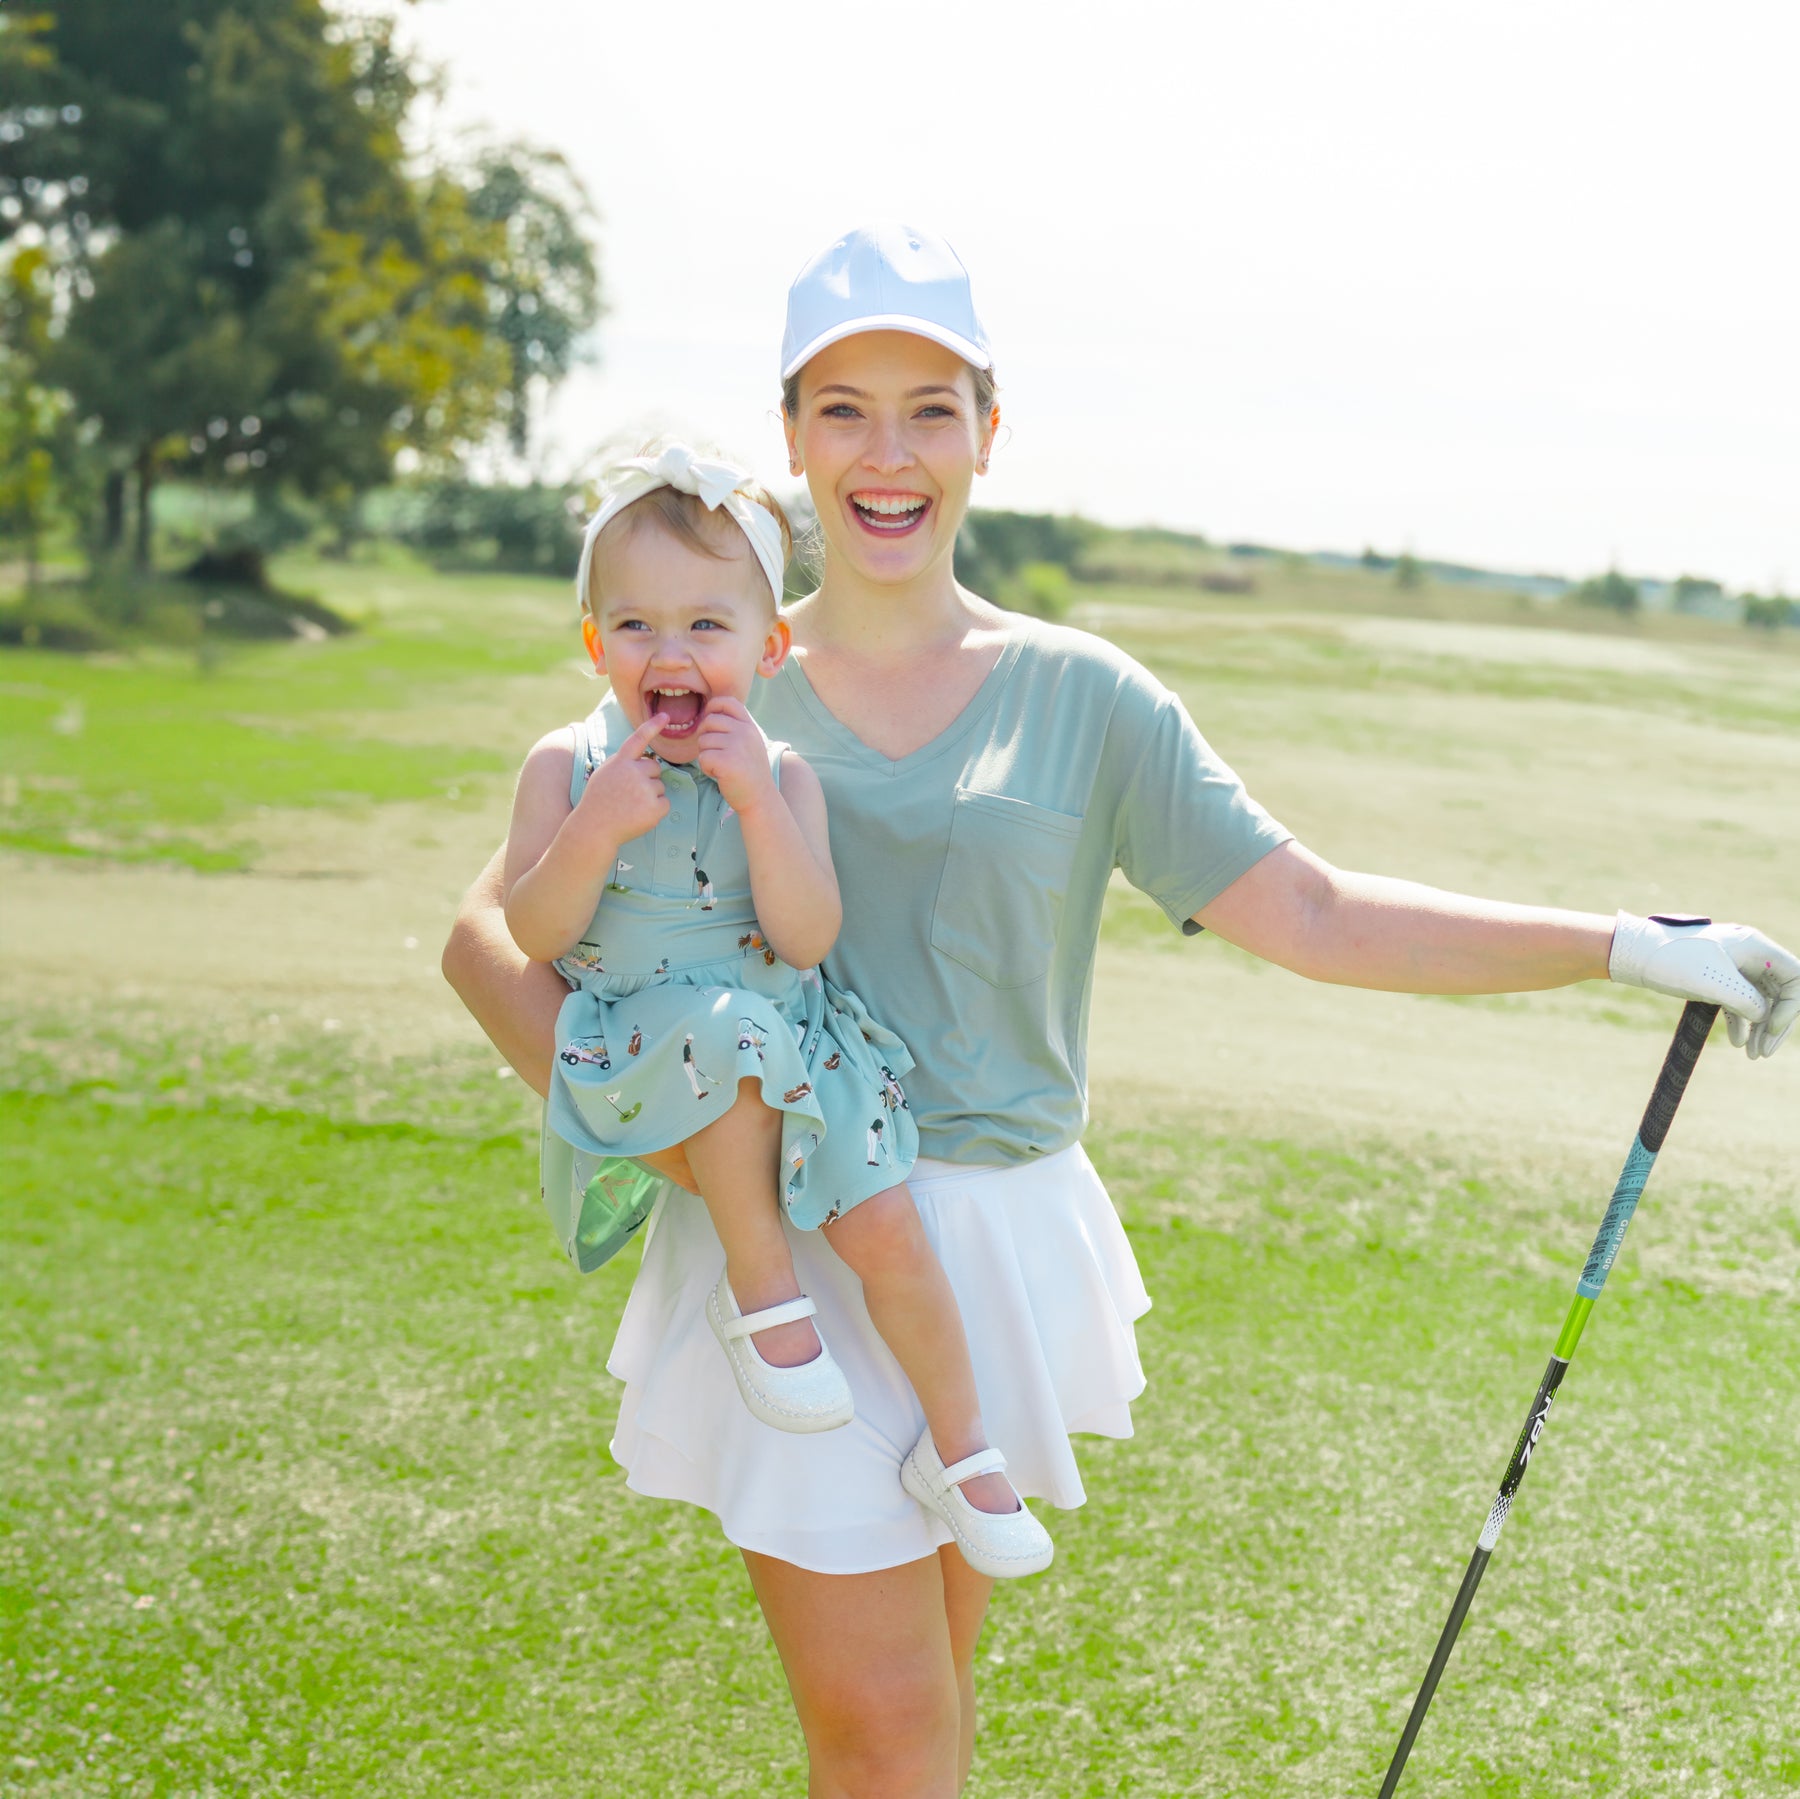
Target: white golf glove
1754,979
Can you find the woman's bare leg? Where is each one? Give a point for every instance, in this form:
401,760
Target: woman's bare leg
911,1305
736,1160
881,1667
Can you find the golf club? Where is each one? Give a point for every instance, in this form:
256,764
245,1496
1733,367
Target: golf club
1671,1083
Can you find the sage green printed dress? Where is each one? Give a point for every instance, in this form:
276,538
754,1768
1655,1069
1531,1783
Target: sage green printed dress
677,998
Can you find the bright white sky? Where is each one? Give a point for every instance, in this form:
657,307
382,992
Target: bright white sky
1511,285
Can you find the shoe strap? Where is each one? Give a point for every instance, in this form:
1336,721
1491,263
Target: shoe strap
790,1311
983,1461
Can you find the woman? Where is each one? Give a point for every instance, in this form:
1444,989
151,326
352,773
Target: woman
985,773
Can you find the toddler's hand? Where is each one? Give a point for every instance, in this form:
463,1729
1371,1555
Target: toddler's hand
734,752
626,790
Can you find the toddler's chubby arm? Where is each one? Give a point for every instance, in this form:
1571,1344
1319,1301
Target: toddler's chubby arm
791,878
558,856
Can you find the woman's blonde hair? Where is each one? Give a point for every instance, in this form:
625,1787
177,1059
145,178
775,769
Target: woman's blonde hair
691,522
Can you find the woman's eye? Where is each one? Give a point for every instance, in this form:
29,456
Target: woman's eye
937,412
842,410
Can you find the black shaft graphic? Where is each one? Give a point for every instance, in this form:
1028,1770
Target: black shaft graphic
1690,1038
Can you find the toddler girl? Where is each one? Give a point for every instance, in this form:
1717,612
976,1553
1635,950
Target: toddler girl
674,865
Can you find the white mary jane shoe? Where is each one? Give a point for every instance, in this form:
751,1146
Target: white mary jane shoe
1001,1545
814,1396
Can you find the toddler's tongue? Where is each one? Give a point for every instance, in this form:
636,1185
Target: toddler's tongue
682,710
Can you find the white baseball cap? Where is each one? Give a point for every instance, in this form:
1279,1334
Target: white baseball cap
882,278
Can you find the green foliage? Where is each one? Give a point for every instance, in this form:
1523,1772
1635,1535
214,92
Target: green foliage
1040,588
543,284
995,545
257,284
1768,612
533,527
41,444
1407,571
1612,590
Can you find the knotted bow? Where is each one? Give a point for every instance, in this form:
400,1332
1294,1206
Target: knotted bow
716,484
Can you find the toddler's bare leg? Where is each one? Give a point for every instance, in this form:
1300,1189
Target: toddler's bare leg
735,1162
911,1305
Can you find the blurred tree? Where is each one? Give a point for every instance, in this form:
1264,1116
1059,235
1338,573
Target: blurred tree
1040,588
544,290
37,444
252,281
993,546
1408,571
1695,593
1611,590
1767,612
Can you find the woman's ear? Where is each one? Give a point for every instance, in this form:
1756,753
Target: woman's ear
590,635
990,427
775,647
790,430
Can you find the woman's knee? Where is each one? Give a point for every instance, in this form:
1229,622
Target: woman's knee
895,1731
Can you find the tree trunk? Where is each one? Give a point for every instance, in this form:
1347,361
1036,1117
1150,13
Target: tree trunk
146,487
113,529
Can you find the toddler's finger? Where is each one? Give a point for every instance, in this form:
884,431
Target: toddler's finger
638,743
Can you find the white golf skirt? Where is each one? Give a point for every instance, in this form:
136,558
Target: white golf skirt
1049,1290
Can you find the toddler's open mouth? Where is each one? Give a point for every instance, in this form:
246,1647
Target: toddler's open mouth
889,514
680,706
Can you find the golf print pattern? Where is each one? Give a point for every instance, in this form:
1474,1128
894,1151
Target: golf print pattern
677,998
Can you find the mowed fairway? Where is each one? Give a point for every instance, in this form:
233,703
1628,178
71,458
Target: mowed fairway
303,1424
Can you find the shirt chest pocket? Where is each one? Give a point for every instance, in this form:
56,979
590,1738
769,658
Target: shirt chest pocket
1001,897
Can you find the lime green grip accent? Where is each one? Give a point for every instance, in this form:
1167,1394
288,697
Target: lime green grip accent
1573,1325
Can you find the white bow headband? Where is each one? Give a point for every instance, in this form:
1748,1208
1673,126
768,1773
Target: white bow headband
715,484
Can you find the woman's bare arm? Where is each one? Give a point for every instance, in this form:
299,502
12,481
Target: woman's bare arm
514,1000
1359,930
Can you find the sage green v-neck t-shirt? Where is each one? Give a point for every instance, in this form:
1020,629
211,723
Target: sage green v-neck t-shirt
973,872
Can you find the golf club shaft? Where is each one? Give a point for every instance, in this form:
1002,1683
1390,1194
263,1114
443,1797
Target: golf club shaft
1671,1083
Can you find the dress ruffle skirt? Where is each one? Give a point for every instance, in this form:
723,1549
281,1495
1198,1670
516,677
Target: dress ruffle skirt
1049,1292
644,1062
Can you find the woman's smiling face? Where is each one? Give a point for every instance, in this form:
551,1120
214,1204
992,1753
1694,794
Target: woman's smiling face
890,441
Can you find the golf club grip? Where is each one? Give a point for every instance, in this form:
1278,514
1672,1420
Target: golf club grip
1696,1025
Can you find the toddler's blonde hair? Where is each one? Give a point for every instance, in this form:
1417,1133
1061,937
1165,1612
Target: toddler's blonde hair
691,522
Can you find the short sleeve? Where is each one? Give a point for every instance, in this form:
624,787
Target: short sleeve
1186,827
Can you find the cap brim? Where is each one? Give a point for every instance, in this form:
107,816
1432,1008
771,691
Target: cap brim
889,321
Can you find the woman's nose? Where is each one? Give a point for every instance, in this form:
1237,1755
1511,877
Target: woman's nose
887,446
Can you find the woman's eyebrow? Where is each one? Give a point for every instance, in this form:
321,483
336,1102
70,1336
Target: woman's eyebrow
912,393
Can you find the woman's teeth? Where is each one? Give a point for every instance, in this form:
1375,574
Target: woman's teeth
889,512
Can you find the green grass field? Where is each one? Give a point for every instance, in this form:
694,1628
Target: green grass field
304,1422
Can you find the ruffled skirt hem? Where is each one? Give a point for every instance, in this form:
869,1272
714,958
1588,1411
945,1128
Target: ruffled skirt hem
1049,1292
